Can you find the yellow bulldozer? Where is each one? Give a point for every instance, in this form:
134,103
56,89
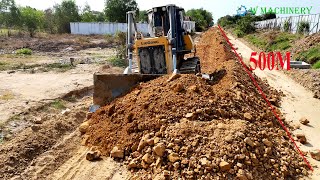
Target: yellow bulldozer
161,52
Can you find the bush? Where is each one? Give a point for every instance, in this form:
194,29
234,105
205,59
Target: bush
118,62
239,33
120,37
109,38
245,24
303,27
24,51
287,26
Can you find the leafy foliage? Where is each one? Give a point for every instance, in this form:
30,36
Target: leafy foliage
202,18
115,10
65,13
24,51
286,26
303,27
9,13
142,16
32,19
87,14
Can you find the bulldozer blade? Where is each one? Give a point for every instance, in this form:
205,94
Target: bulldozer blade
107,87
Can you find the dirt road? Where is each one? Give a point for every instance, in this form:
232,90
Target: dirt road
297,103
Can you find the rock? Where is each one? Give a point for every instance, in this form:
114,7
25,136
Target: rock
93,155
174,76
268,150
133,164
35,128
83,128
189,115
228,139
178,87
304,121
159,149
150,142
66,112
240,134
176,166
84,140
142,144
247,116
160,177
302,138
249,141
173,157
117,152
315,154
241,175
267,142
156,140
193,88
224,166
147,158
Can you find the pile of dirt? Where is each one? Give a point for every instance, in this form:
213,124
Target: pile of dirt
309,78
194,128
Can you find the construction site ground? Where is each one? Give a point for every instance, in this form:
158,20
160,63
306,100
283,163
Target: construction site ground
40,117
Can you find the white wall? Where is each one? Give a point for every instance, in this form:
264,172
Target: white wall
103,28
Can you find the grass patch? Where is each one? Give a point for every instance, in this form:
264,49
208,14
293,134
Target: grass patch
58,104
311,56
24,51
117,62
316,65
282,41
256,40
60,67
6,96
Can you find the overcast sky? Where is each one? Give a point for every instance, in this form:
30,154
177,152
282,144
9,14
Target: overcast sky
217,7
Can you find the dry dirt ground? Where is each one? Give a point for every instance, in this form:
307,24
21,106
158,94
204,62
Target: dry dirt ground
298,102
27,80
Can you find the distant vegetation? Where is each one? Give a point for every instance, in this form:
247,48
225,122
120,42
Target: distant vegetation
57,18
203,18
243,25
24,51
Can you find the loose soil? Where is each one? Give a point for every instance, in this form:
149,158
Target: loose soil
206,129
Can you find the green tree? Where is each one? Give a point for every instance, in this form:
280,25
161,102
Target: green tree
87,15
32,19
101,17
65,13
142,16
115,10
9,13
49,21
202,18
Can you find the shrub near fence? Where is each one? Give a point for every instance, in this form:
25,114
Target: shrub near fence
307,24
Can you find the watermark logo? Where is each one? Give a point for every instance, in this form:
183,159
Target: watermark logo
242,10
281,10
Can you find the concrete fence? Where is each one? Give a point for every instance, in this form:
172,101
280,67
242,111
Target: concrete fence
103,28
292,23
112,28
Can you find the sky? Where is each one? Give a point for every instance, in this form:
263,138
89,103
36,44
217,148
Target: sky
218,8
